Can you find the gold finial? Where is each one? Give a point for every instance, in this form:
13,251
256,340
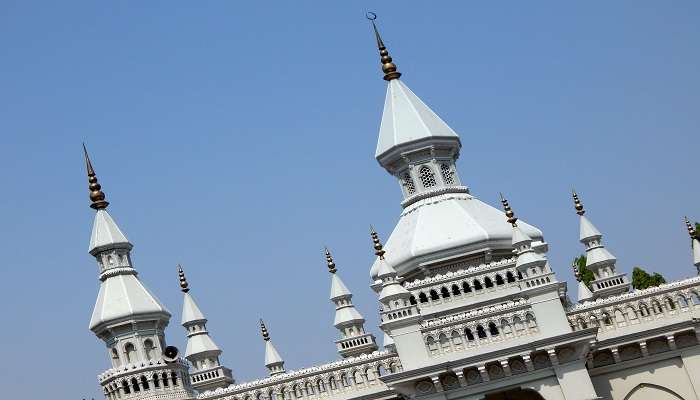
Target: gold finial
512,219
577,204
691,229
389,68
331,264
378,248
263,329
183,281
96,194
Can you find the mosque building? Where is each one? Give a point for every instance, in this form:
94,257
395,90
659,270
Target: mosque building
470,307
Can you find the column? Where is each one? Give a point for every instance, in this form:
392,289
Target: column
506,367
671,342
643,348
528,362
437,383
574,381
484,374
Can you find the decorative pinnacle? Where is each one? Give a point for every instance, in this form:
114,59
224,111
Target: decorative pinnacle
96,194
183,281
378,248
263,329
389,68
512,219
577,204
331,264
691,229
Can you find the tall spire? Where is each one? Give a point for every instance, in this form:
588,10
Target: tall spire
607,281
207,372
273,360
695,243
96,194
527,257
353,341
389,68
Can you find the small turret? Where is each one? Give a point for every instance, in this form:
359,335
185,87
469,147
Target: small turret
354,340
273,360
207,372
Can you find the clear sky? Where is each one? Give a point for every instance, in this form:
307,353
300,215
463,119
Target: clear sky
238,139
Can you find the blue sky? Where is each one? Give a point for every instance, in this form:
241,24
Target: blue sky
238,139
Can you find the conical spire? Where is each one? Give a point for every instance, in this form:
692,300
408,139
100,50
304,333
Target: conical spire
183,281
96,194
273,360
389,68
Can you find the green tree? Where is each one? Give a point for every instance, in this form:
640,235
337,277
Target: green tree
697,230
585,274
642,280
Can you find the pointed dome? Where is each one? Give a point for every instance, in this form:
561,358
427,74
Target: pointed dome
106,234
447,225
584,293
124,296
407,119
588,230
190,311
198,344
338,288
272,357
519,236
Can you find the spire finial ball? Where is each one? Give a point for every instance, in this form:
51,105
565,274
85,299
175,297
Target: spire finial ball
263,330
97,196
329,260
378,248
577,204
183,280
510,215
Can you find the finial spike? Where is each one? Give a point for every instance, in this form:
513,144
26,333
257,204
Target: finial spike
183,280
577,203
691,229
96,194
378,248
263,330
512,219
329,260
389,68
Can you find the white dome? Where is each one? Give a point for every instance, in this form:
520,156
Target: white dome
447,225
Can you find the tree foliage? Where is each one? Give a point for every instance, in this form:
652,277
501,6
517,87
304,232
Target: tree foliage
697,230
642,280
585,274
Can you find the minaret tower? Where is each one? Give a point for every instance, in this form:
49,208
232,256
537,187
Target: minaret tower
273,360
695,244
207,372
128,317
532,265
351,324
607,282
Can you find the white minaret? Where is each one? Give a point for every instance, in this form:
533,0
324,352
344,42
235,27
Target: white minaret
607,282
128,317
353,341
207,372
273,360
531,264
695,244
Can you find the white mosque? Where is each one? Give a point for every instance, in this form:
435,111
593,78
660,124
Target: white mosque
470,307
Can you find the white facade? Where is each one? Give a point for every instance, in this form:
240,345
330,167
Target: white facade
470,306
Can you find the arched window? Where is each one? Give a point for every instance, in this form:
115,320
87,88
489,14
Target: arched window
150,349
643,310
456,338
394,367
455,290
433,295
422,297
505,326
432,345
115,358
407,182
130,352
156,383
427,177
309,389
332,383
581,323
606,319
520,275
321,387
477,285
358,377
487,282
297,392
445,293
518,324
682,301
144,383
669,303
493,329
468,333
631,314
344,380
135,385
369,373
412,300
656,307
173,375
510,278
381,371
165,379
125,387
499,280
530,319
465,287
447,174
480,332
695,298
444,343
